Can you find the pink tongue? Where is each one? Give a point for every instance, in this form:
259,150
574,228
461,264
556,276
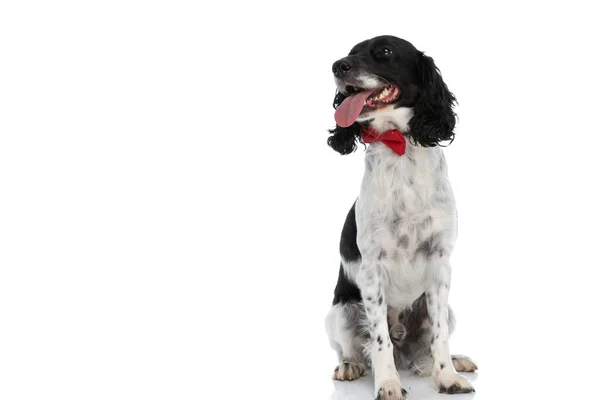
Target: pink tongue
350,109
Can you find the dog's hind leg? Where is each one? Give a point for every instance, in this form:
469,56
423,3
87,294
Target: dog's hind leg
344,324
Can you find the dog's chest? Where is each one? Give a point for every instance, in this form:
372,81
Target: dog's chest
405,217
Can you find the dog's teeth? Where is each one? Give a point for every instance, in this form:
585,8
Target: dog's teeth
384,93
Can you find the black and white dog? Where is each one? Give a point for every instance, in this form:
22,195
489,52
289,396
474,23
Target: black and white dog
390,308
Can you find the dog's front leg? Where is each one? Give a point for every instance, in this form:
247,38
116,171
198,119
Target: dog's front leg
387,381
446,378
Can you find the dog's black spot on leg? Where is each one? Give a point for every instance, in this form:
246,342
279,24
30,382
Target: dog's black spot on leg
379,339
380,300
437,336
380,349
438,325
369,298
442,366
382,254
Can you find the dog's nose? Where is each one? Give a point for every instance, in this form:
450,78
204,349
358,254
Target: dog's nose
341,67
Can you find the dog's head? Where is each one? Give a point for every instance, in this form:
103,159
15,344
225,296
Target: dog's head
387,83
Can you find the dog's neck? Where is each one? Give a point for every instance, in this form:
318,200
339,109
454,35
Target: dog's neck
394,118
428,159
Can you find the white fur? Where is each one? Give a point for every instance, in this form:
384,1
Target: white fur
388,117
368,81
342,339
406,223
364,81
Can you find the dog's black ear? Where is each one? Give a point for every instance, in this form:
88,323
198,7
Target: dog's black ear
343,140
434,118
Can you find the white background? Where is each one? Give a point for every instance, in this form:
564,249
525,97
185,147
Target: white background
170,212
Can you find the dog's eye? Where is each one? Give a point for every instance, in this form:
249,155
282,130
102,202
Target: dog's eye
386,51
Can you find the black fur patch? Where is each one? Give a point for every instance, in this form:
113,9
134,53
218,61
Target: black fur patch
344,140
345,291
429,246
403,241
348,247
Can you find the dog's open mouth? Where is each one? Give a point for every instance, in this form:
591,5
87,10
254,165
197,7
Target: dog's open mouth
360,100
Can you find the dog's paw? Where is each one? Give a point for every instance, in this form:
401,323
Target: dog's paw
463,363
348,371
391,390
452,383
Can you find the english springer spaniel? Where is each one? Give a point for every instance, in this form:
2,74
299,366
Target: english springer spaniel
390,308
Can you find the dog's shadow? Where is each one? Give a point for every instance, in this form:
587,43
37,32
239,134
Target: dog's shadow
417,387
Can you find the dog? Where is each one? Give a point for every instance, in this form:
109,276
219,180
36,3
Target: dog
390,307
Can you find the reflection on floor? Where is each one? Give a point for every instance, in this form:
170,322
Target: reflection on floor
418,388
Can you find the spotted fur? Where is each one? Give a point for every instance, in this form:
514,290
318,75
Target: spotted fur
390,307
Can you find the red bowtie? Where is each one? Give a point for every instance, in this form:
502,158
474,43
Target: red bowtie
392,138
